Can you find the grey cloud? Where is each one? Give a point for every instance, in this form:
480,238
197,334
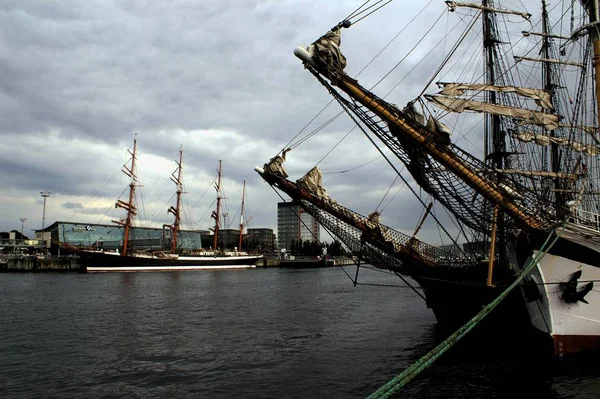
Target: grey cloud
72,205
217,77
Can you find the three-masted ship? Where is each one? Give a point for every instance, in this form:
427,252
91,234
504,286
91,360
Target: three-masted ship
535,178
133,260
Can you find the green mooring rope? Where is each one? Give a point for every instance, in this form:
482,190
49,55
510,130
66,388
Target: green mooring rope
416,368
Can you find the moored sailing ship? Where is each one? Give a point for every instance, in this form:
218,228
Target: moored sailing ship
130,260
535,178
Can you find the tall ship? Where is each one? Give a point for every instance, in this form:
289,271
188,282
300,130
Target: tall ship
129,259
503,136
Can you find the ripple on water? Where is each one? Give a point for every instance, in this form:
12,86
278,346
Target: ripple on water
254,333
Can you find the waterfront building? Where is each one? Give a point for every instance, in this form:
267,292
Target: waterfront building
43,236
17,244
229,239
261,240
110,236
256,240
295,224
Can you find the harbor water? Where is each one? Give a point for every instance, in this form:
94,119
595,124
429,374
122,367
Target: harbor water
255,333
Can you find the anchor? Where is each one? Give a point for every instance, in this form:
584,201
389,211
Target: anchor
571,294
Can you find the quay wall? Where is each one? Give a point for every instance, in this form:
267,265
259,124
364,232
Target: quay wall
274,262
32,264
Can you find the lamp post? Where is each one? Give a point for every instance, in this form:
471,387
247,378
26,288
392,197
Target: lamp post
45,194
22,223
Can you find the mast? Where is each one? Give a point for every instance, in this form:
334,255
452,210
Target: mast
547,73
242,218
595,37
492,126
492,130
176,210
462,182
217,214
128,206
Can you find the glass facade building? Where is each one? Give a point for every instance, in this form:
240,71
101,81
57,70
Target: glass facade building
111,236
260,239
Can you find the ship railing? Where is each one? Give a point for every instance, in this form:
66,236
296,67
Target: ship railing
586,218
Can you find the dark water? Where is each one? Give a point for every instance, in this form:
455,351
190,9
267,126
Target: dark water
260,333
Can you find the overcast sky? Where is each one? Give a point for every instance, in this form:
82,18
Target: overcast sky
218,78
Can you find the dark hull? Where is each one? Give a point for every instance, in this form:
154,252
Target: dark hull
107,262
455,297
305,263
454,304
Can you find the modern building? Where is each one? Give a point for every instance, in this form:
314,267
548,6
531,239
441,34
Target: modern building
20,245
295,224
229,239
261,240
255,240
111,236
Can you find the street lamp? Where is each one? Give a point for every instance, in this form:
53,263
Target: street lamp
22,223
45,194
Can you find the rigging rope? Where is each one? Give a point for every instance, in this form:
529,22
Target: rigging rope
317,130
319,242
375,10
289,144
416,368
356,167
410,52
392,199
399,173
355,12
451,53
386,193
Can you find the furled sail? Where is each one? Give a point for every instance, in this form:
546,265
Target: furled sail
548,60
541,97
545,140
313,181
327,50
452,5
549,121
413,113
276,164
527,33
539,173
435,125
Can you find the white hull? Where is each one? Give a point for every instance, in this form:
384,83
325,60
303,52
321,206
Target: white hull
100,269
104,262
574,326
